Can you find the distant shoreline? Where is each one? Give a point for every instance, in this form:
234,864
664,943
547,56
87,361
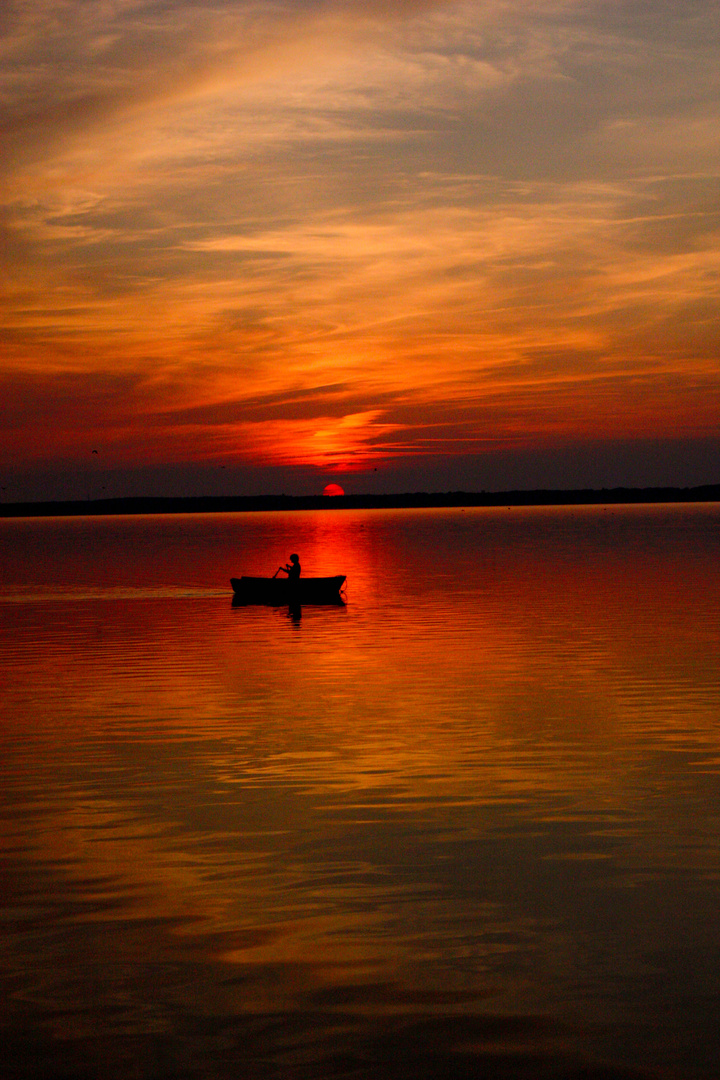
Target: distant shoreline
254,503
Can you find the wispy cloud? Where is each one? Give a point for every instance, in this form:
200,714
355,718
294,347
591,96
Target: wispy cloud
440,207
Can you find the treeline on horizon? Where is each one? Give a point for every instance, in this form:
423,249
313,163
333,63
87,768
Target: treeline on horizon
247,503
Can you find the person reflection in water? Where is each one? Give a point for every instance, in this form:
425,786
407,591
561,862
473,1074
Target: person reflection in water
292,569
295,612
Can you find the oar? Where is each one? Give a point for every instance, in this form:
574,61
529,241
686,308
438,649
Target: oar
277,571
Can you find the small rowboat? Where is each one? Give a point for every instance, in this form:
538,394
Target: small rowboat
278,591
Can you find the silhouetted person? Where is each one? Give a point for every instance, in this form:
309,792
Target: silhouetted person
292,569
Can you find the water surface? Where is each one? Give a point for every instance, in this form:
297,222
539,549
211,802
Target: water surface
466,825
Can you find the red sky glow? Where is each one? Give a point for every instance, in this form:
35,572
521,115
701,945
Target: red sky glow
251,244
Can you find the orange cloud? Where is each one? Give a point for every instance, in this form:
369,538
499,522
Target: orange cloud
349,233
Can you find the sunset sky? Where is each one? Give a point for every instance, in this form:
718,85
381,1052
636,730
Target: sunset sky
254,246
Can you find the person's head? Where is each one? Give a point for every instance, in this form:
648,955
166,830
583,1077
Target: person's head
294,558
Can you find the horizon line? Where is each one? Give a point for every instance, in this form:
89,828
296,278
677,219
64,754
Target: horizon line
130,504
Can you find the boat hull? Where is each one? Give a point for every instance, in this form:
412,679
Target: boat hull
275,592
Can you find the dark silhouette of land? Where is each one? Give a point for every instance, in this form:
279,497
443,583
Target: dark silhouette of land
246,503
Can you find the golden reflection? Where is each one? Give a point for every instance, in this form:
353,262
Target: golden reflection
549,687
511,727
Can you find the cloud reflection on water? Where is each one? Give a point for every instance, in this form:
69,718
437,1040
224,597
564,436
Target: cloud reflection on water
456,825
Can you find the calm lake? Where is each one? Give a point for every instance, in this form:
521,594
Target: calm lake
467,825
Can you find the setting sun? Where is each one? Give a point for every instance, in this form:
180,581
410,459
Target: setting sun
333,489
